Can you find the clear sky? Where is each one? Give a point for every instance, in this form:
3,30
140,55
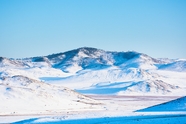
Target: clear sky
41,27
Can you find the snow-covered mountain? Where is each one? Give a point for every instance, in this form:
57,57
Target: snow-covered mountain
95,71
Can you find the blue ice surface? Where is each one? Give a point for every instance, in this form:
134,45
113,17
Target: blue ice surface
146,119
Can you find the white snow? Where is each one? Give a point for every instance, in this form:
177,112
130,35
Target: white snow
22,95
115,109
39,86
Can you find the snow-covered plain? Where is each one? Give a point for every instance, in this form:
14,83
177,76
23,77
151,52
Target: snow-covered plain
116,109
113,84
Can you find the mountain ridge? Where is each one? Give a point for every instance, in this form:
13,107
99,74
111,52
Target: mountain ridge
91,67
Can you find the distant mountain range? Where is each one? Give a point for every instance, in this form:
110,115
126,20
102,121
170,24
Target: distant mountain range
95,71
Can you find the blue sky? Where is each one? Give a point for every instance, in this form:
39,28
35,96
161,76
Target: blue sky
41,27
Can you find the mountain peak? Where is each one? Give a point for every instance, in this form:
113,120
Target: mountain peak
1,59
88,48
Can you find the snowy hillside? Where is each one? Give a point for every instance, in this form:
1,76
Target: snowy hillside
94,71
179,66
174,105
22,95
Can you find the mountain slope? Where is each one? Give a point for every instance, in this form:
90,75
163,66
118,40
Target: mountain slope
179,65
87,68
148,87
22,95
174,105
